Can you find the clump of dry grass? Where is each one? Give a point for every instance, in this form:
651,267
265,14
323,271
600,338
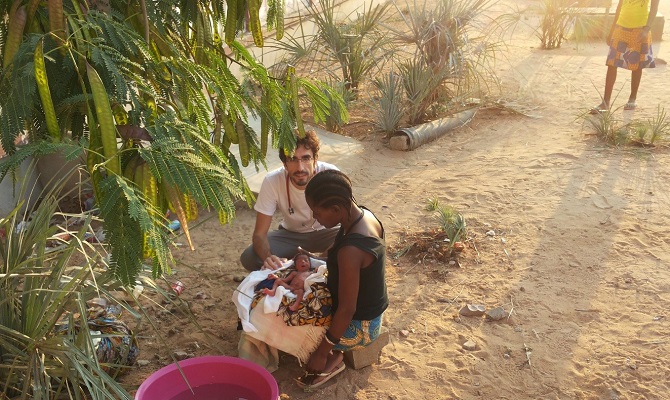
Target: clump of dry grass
609,128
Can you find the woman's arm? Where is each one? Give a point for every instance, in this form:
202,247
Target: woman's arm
616,17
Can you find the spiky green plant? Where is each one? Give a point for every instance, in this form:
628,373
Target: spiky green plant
443,34
612,130
355,43
639,130
605,125
43,294
433,204
451,221
339,98
421,85
388,102
451,44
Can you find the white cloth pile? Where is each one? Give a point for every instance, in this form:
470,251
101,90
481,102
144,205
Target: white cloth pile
264,331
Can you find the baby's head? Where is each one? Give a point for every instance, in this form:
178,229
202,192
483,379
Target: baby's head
302,262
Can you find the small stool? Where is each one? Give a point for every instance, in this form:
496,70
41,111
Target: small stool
368,355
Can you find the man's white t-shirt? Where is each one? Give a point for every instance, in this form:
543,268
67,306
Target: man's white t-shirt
273,197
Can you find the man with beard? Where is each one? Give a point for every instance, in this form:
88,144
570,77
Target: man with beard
284,190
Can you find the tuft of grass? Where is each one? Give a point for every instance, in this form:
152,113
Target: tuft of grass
659,126
451,221
604,124
433,204
646,133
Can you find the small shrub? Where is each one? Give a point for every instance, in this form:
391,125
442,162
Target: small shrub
604,124
557,17
356,44
451,44
451,221
421,85
389,108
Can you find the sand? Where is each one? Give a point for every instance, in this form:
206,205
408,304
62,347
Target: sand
578,258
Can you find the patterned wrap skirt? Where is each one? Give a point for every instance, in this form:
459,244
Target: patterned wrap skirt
628,51
359,334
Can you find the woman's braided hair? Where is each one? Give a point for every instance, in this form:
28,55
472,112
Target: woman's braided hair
328,188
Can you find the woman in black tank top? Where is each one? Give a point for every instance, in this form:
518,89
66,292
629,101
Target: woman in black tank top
356,274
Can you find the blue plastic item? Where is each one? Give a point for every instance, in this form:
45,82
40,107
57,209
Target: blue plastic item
174,225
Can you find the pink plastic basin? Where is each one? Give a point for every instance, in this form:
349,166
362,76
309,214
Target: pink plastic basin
211,377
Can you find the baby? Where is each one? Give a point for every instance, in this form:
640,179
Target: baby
294,281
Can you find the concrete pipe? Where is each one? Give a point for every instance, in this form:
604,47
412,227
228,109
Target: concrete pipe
415,136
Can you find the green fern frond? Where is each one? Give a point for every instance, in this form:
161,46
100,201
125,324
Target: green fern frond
119,35
212,183
110,73
18,94
327,101
123,211
285,137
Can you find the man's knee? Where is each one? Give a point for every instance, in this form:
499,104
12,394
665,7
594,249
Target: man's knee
250,260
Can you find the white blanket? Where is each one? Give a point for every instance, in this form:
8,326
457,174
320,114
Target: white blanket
243,296
265,331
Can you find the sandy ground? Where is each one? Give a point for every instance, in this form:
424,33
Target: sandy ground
579,258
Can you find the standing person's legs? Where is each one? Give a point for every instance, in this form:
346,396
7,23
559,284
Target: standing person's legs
610,79
614,60
635,78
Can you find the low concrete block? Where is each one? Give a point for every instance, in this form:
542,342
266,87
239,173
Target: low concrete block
368,355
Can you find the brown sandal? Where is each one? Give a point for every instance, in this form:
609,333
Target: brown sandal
307,381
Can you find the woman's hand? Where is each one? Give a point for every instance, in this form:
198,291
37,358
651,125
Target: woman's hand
317,361
644,33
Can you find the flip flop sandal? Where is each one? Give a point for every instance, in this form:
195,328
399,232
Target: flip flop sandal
630,106
307,380
597,110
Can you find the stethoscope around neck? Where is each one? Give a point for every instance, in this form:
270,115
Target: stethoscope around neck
288,196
